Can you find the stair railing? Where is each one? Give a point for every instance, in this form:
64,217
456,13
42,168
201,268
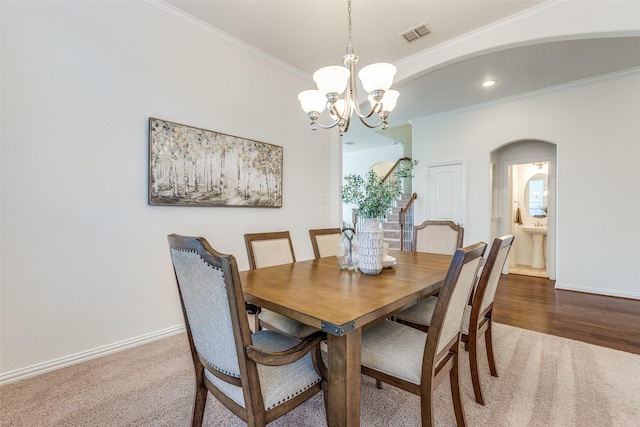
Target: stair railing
402,219
395,166
405,235
405,212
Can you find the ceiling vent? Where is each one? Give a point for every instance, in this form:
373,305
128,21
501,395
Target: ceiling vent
416,33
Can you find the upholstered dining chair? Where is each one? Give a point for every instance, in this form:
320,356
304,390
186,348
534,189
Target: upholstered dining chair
416,361
439,237
259,376
266,250
324,241
477,315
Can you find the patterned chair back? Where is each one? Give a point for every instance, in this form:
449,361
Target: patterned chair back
492,270
438,237
448,315
324,241
268,249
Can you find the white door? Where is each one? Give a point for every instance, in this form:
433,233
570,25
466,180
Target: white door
446,201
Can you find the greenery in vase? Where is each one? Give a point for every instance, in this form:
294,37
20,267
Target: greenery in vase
405,168
372,196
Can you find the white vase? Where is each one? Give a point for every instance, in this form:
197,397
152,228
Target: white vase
371,239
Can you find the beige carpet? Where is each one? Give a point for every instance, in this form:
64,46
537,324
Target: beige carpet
544,381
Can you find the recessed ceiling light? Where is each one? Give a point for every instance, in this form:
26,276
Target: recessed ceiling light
489,83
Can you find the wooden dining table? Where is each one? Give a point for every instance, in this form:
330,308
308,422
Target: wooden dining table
342,303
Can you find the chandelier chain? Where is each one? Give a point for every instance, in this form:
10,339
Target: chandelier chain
349,19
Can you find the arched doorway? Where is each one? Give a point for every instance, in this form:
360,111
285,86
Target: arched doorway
523,179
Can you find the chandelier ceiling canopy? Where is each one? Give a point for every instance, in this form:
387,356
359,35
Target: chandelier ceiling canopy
334,81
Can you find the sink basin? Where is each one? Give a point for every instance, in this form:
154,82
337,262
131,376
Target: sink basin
535,230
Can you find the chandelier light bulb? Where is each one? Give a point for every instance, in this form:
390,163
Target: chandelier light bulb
377,76
332,79
389,100
312,101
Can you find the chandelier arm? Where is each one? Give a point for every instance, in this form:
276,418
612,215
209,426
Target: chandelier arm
334,111
352,92
344,126
381,122
328,126
375,109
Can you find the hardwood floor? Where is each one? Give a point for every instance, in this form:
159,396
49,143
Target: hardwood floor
532,303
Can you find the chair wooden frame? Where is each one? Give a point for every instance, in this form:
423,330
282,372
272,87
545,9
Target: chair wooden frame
480,312
314,241
437,364
253,413
275,318
480,319
429,223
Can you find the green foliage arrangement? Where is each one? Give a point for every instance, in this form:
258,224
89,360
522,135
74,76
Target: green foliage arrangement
372,196
405,168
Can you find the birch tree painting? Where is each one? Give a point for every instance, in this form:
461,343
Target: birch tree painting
196,167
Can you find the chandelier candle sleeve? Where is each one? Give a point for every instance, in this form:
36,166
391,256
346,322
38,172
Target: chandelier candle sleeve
334,81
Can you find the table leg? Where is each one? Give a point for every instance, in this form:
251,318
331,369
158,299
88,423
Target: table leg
344,379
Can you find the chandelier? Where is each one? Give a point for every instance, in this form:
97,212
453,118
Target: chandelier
333,81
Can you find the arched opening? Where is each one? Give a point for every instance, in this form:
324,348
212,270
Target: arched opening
523,201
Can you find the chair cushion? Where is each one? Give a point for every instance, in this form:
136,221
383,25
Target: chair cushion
422,311
466,319
419,313
394,349
285,324
278,383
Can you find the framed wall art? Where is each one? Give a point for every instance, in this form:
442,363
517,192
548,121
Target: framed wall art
189,166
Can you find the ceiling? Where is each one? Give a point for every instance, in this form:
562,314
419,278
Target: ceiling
309,34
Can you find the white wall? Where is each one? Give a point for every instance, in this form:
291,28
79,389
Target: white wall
360,162
597,132
85,260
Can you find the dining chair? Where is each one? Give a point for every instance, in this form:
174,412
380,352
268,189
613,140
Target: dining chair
477,315
266,250
260,376
416,361
324,241
438,237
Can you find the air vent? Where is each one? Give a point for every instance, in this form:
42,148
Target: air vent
416,33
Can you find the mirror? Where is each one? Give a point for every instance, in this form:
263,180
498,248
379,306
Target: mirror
536,195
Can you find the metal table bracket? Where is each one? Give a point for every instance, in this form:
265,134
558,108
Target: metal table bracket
337,330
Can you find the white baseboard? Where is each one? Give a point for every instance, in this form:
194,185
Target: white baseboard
607,292
41,368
